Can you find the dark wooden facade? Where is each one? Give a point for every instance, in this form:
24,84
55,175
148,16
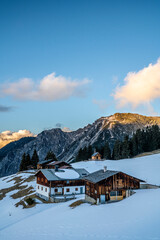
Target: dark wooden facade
58,164
54,165
42,180
41,165
119,182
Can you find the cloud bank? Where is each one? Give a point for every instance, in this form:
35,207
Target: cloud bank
8,136
140,88
50,88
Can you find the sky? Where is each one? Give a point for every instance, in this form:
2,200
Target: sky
67,63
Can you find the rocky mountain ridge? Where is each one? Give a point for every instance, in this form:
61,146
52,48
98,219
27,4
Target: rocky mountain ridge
67,144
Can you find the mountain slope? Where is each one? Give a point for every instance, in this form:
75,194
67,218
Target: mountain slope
67,144
14,146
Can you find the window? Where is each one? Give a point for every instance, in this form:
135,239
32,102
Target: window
113,193
67,190
41,179
45,180
42,188
38,187
119,193
56,190
76,189
67,182
45,189
38,178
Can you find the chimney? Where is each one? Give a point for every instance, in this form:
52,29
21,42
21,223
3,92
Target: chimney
56,168
105,168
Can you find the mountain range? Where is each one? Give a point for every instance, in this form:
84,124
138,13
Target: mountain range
66,145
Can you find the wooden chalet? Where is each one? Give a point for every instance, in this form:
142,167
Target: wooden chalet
53,183
96,156
50,164
105,185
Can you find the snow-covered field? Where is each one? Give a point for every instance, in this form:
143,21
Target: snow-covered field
136,217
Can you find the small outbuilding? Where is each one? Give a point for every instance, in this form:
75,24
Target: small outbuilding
96,156
105,185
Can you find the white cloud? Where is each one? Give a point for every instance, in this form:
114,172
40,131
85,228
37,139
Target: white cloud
50,88
66,129
102,104
140,88
8,136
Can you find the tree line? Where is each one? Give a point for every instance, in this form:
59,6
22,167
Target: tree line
142,141
31,162
86,152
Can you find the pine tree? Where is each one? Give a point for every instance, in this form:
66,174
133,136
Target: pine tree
107,151
35,159
28,160
117,150
134,145
51,155
89,152
23,163
79,155
155,137
126,150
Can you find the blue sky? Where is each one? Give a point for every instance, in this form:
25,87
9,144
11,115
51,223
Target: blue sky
93,45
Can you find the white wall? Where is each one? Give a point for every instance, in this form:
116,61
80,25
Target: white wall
59,190
42,192
72,190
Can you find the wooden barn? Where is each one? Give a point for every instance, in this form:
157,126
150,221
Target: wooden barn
50,164
53,183
96,156
105,185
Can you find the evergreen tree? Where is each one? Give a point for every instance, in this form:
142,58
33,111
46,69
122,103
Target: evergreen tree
134,146
79,155
84,154
28,160
51,155
117,150
155,137
107,151
89,152
23,163
126,148
35,159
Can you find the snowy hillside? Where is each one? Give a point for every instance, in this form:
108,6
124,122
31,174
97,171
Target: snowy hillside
146,168
134,218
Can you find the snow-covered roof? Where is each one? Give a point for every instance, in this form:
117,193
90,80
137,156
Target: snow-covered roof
67,174
96,153
46,161
100,175
63,174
